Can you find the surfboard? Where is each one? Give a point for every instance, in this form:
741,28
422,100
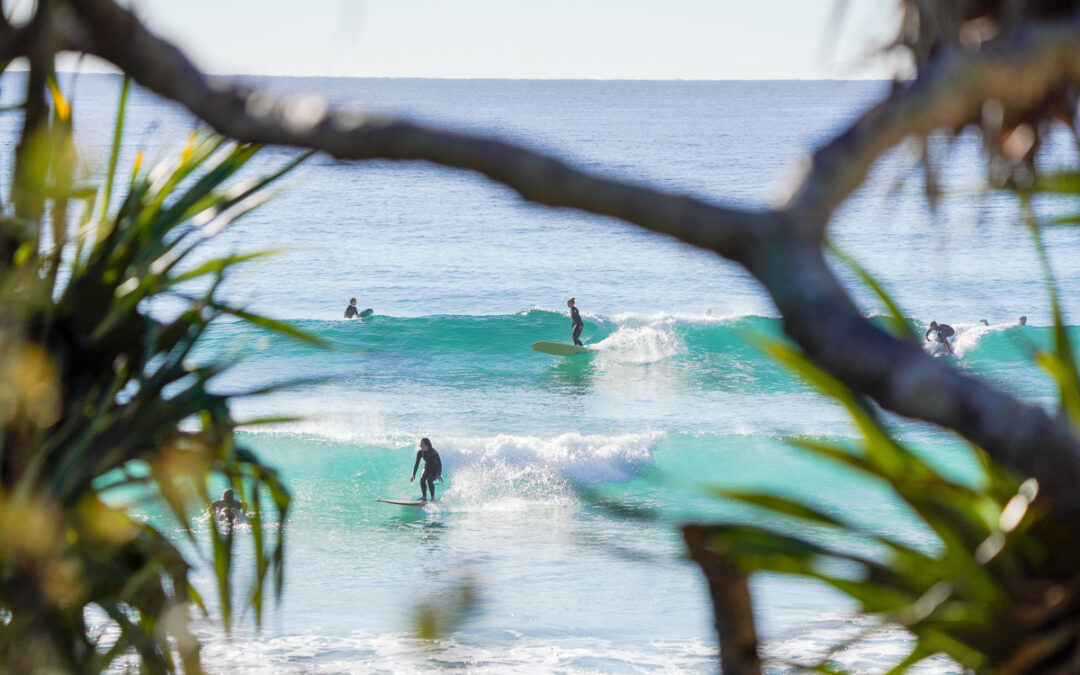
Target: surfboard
366,313
403,502
560,349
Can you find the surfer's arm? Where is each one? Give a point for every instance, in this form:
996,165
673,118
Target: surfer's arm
415,465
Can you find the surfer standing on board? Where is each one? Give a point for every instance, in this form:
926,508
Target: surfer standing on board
432,468
576,323
943,332
351,311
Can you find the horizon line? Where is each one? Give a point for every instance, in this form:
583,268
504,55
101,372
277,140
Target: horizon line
16,69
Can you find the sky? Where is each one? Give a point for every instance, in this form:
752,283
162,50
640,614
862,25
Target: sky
603,39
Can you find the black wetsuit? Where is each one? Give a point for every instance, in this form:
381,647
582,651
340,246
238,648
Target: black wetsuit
432,470
351,311
943,332
575,317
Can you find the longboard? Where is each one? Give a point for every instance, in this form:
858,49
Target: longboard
560,349
403,502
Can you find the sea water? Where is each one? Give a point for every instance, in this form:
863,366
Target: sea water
566,479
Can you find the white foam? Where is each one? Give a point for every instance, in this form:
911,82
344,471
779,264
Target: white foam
513,473
968,336
879,648
332,413
686,318
642,344
515,652
362,652
584,458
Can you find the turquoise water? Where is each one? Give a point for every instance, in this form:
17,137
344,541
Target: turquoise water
537,450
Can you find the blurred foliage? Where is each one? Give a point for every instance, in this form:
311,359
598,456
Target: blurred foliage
999,593
437,619
99,398
929,31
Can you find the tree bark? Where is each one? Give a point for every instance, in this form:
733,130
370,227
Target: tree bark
733,610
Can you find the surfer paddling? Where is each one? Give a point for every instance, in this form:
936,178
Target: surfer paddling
351,312
575,322
432,468
228,509
943,332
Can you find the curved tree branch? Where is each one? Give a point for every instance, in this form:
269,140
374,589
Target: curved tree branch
1018,70
781,248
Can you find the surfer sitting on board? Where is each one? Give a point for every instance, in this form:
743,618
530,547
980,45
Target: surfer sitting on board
228,508
943,332
575,318
432,468
351,311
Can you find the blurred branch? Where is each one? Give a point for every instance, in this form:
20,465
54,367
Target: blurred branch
1018,70
782,248
13,41
733,610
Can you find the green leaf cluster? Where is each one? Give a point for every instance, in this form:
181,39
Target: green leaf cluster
100,398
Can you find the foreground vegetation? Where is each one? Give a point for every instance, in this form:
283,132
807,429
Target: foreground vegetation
99,396
98,393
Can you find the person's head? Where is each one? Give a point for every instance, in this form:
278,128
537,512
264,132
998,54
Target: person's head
933,324
570,302
1023,321
352,301
425,444
228,495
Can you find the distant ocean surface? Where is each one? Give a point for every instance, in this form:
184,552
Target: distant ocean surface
463,276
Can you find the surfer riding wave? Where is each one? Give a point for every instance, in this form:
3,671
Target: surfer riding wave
432,468
575,322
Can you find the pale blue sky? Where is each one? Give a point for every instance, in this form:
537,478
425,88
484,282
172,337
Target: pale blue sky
635,39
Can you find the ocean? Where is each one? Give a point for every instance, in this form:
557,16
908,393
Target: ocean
550,462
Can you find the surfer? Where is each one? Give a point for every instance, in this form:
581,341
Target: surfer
351,311
943,332
1023,321
228,508
575,322
432,468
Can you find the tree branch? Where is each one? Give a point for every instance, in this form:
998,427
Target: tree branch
1018,70
781,248
733,611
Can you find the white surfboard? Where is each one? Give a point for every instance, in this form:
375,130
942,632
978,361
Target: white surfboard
403,502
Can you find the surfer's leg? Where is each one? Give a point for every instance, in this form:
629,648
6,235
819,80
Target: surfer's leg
577,333
431,486
423,487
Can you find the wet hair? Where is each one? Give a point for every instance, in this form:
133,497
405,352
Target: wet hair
933,324
352,301
569,301
1023,321
227,495
426,443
